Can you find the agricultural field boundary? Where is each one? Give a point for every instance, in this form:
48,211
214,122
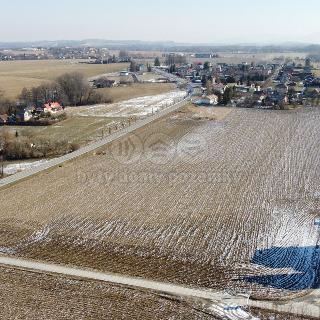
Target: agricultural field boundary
93,146
228,310
220,303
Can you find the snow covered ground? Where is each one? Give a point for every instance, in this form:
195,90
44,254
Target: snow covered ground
21,166
138,107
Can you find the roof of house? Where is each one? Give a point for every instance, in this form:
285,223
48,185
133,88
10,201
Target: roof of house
52,105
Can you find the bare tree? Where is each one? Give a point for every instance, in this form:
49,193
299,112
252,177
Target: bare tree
6,105
73,87
25,97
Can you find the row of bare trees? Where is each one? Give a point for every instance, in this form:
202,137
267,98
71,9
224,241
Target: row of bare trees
71,89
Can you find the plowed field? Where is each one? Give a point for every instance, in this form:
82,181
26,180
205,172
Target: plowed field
224,204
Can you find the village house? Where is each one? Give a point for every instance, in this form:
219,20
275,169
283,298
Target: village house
52,107
25,115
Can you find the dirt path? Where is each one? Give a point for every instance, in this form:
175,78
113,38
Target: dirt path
220,303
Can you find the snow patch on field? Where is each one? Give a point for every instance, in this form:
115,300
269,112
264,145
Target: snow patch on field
38,236
18,167
231,312
142,106
6,250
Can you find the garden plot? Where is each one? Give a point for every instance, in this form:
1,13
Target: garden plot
138,107
226,204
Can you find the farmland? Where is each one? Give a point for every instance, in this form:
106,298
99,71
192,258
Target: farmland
89,123
22,290
118,94
15,75
226,204
75,129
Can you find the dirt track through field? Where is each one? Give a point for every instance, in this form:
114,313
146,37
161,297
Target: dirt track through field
172,289
216,298
222,304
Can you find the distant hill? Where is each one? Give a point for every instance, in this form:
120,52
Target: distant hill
164,45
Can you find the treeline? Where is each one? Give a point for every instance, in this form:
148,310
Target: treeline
175,60
6,105
30,146
70,89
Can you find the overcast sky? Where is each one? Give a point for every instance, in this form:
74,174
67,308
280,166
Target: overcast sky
209,21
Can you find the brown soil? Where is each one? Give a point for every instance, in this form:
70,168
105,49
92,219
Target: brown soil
201,199
35,296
